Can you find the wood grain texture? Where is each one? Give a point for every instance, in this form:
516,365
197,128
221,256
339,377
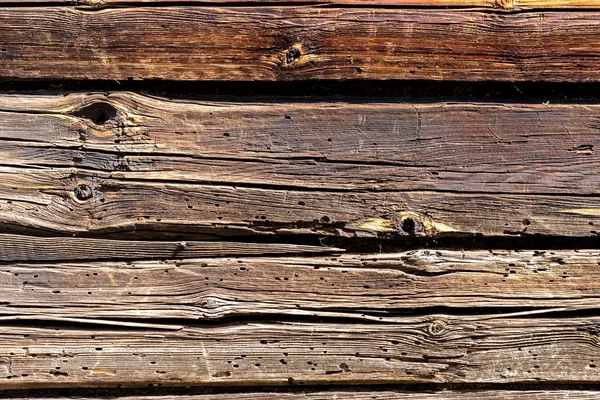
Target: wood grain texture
28,248
275,43
98,312
369,287
94,163
340,144
45,200
357,393
435,348
504,5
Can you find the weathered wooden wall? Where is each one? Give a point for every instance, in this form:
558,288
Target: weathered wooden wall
281,313
283,247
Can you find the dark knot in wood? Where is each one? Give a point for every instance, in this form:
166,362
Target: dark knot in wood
83,192
99,113
408,225
436,328
292,54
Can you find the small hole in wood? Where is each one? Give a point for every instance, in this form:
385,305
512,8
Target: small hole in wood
408,226
99,113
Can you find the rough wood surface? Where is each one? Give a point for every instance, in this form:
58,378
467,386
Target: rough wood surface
275,43
90,324
28,248
361,394
92,163
47,200
371,287
79,311
433,348
506,5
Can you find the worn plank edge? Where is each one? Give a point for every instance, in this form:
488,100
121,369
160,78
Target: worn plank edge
502,5
359,394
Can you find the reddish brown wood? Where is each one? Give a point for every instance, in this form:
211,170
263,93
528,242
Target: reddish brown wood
276,43
504,5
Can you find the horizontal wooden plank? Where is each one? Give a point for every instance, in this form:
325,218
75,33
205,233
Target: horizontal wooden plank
435,348
275,43
357,393
28,248
507,5
373,287
48,200
342,144
102,163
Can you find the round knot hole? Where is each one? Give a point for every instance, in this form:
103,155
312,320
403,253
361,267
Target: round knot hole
292,55
99,113
408,225
436,328
83,192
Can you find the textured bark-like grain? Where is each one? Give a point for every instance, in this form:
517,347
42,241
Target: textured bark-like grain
435,348
504,5
29,248
45,200
255,43
123,162
371,287
341,144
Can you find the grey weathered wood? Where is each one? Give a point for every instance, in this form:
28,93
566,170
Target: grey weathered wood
371,287
89,163
278,43
434,348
